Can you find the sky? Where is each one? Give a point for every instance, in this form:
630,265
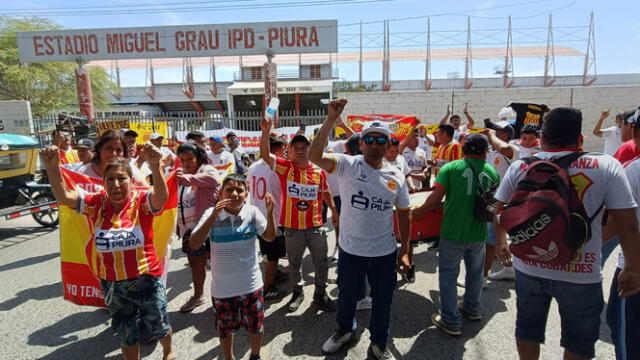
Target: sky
617,35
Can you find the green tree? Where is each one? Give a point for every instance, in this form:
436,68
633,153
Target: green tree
49,86
347,86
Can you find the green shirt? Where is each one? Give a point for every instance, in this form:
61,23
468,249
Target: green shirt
460,184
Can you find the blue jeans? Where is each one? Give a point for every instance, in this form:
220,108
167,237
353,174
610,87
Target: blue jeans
623,318
608,248
380,271
451,253
579,306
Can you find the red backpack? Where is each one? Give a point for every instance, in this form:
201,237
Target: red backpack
545,219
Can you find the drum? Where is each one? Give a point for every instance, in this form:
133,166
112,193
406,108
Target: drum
426,229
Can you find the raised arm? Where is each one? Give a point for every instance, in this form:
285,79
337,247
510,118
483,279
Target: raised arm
407,139
446,116
470,121
597,129
160,194
344,126
269,233
316,152
51,160
265,151
499,145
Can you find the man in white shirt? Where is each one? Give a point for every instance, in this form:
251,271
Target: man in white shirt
416,159
455,120
612,135
262,181
221,159
369,189
528,144
598,179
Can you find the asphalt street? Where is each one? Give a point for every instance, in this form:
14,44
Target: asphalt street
37,323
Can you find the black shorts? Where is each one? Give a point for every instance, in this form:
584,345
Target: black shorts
275,249
203,250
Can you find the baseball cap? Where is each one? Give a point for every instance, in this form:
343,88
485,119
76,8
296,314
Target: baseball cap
299,137
376,127
129,132
636,118
431,137
230,133
475,144
156,136
85,143
501,125
217,139
562,125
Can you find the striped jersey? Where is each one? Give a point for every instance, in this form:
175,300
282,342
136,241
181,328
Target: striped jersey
123,241
302,192
447,153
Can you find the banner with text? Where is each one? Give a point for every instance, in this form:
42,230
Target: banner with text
145,129
286,37
77,248
399,125
111,125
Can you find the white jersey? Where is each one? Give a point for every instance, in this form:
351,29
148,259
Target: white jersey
336,147
368,196
612,139
462,130
525,152
262,180
424,145
599,179
401,164
224,161
417,162
501,162
632,169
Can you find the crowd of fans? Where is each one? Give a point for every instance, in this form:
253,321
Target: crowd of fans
232,211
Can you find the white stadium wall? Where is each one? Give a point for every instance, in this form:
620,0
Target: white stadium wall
430,106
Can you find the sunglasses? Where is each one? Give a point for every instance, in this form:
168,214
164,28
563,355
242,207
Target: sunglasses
381,140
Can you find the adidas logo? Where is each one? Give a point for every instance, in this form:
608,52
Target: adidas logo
545,255
530,232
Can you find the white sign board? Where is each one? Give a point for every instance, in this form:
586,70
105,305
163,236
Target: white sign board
289,37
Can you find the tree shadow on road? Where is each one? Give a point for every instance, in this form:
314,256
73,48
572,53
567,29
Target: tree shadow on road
43,292
14,236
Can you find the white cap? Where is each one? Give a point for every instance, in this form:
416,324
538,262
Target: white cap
507,113
156,136
377,127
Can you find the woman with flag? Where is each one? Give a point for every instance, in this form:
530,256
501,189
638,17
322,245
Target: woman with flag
129,269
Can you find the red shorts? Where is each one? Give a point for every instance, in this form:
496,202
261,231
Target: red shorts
244,310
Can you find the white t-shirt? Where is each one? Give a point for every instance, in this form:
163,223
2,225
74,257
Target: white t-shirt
417,161
500,162
525,151
424,145
187,218
401,164
224,161
599,179
632,170
368,196
612,139
461,130
235,268
262,180
337,147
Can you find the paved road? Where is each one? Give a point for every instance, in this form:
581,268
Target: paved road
38,324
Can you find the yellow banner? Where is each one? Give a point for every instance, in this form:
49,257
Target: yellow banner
111,125
145,129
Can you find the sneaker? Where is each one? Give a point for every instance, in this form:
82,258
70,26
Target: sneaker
255,357
336,341
473,316
324,302
365,304
334,256
296,300
507,273
274,294
410,276
462,284
191,304
436,319
380,352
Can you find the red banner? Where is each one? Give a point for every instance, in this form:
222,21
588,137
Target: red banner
399,125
